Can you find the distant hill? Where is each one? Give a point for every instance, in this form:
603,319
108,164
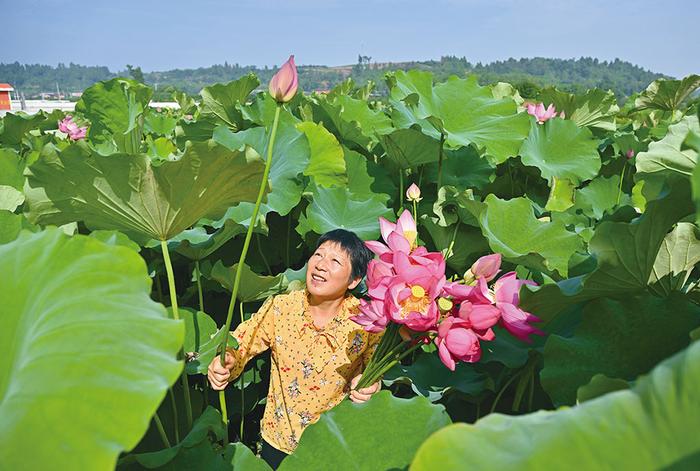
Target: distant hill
527,74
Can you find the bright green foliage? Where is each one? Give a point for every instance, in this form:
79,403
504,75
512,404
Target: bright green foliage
77,318
651,426
116,110
667,95
327,162
253,287
679,253
460,109
354,436
128,193
599,197
595,108
334,208
409,148
513,231
559,148
221,102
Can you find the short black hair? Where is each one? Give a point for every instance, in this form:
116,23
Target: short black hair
358,252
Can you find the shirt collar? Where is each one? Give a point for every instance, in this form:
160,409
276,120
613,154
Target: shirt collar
331,330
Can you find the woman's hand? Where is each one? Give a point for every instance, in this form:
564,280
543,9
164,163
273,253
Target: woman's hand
362,395
218,375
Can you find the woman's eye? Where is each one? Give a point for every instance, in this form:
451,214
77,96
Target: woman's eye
337,261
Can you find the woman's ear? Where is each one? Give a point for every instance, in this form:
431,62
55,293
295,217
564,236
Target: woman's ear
353,284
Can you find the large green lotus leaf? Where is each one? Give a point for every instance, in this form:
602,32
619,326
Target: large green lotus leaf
114,108
462,168
10,198
599,197
199,328
651,426
159,123
679,253
625,254
600,385
618,338
16,125
354,436
128,193
666,95
77,313
666,158
352,120
253,287
431,379
115,238
451,206
409,148
242,459
595,108
338,208
513,231
221,102
561,195
560,148
290,157
327,160
11,169
197,243
459,108
360,182
199,130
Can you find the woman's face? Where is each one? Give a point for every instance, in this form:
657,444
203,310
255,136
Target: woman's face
328,272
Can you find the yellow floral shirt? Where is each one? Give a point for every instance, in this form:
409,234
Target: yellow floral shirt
311,368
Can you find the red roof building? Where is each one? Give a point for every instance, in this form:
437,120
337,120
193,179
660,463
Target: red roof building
5,89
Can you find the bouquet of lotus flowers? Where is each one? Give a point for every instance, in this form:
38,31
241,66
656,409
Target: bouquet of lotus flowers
411,300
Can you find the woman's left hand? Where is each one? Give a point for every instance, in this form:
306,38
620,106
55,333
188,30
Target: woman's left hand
362,395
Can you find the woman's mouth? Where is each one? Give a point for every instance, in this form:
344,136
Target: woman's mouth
318,278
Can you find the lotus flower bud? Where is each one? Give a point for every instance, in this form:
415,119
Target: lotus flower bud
629,154
284,83
413,193
487,266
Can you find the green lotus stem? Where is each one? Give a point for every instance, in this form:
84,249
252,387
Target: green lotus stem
401,188
224,414
531,392
198,276
242,389
452,242
386,366
244,252
159,289
415,212
503,389
161,431
176,421
176,315
622,177
262,255
440,153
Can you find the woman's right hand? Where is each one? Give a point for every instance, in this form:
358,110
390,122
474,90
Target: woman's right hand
218,375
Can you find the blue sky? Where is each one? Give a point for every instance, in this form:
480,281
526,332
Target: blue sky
157,35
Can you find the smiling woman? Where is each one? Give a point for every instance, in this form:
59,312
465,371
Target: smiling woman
318,351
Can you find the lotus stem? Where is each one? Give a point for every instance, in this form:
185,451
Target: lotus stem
622,177
161,430
244,252
401,189
503,389
198,276
242,390
176,421
176,315
415,211
440,153
262,254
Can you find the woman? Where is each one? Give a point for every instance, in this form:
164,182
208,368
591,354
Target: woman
317,353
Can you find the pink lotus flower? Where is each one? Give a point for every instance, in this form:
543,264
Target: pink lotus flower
540,113
629,154
379,276
68,126
399,237
413,193
487,267
515,320
284,83
479,316
372,317
410,298
456,342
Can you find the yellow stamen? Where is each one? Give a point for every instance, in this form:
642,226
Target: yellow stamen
417,291
445,304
